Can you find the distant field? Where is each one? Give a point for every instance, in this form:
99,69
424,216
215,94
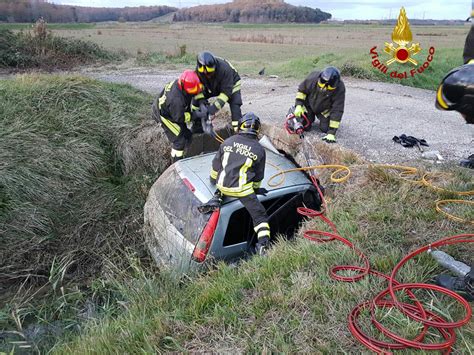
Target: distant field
62,26
288,50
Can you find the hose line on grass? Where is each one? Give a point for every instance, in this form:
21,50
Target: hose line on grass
388,298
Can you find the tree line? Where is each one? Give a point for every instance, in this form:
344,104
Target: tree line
31,10
245,11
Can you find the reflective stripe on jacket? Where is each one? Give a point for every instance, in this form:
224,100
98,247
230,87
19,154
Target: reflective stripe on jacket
239,165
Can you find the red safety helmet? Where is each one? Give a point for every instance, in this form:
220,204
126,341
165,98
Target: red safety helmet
189,82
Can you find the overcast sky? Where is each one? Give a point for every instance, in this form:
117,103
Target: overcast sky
340,9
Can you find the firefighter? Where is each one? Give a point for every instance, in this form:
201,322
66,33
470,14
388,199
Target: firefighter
322,95
172,108
238,170
220,80
456,92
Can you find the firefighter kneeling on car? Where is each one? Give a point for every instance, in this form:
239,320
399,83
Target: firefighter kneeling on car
172,108
238,170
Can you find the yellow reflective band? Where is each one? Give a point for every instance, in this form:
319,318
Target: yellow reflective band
243,172
471,61
300,96
225,160
199,96
187,117
234,192
325,113
334,124
264,233
257,184
329,87
223,97
439,97
173,127
320,84
235,123
261,225
194,108
236,87
218,104
177,153
213,174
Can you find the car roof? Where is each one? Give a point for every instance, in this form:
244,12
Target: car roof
196,171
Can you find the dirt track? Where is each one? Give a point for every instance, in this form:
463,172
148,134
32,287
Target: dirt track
374,113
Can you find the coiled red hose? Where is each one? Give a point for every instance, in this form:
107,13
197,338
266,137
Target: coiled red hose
413,311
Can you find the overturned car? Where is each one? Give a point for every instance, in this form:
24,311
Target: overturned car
181,237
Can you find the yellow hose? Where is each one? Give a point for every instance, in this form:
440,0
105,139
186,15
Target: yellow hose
426,181
340,169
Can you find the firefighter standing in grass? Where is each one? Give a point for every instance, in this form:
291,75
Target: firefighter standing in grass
238,170
220,80
321,95
172,108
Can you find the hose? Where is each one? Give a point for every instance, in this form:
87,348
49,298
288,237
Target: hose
426,180
414,311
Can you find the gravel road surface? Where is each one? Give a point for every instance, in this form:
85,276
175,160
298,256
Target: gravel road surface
374,113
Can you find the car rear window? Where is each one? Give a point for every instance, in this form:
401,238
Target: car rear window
180,206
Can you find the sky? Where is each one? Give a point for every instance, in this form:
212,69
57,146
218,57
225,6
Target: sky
340,9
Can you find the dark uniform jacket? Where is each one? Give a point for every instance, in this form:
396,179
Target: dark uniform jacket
222,84
174,106
239,165
468,53
319,100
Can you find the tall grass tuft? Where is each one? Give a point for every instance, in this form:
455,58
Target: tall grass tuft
69,197
40,49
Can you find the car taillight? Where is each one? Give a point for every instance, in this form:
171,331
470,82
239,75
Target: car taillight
189,185
205,240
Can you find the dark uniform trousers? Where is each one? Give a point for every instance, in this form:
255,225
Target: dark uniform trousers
178,142
235,102
323,118
255,209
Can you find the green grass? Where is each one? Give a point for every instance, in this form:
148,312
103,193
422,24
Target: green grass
360,66
70,198
286,302
53,26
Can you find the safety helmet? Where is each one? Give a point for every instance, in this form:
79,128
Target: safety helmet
249,123
329,78
206,63
456,92
189,82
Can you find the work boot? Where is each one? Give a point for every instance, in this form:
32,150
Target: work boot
212,205
468,163
462,285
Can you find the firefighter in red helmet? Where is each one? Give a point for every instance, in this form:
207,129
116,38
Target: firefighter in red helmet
172,108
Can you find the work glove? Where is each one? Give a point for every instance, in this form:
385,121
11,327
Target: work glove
329,138
262,245
212,110
299,110
187,117
261,191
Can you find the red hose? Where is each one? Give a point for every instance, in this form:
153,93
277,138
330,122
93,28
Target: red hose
414,311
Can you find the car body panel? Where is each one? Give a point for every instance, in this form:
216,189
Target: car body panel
172,227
